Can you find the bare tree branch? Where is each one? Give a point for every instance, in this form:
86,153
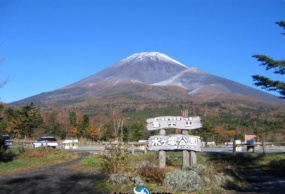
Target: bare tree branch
5,80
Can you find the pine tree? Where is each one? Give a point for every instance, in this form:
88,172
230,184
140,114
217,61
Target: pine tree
279,68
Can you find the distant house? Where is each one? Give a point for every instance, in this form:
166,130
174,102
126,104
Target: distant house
249,137
250,141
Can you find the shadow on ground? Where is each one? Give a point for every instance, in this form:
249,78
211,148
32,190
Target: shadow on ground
249,175
60,182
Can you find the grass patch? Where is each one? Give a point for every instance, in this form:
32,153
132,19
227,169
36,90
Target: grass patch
272,162
34,158
252,160
92,161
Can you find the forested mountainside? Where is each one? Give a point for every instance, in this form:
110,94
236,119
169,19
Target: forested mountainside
221,119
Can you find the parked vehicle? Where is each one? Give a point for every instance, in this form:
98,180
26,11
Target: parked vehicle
48,141
7,143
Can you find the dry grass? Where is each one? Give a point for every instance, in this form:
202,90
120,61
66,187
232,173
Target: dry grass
36,153
23,160
152,174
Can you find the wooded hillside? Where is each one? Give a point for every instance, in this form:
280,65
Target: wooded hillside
222,120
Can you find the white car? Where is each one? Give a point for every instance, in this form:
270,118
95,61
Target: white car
48,141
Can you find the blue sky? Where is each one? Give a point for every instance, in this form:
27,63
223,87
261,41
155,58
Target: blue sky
49,44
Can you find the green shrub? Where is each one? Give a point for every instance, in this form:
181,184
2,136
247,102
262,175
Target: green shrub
7,155
2,154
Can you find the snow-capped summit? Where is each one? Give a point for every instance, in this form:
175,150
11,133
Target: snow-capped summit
155,56
146,67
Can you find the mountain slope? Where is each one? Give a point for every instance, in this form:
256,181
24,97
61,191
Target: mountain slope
200,83
150,76
141,67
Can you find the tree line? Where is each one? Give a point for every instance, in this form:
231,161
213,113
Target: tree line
30,122
221,122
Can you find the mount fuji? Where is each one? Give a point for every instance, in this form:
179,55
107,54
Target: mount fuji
150,76
143,67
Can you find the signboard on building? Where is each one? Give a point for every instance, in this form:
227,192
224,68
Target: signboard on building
175,142
173,122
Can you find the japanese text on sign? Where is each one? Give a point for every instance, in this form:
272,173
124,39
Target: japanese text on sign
175,122
175,142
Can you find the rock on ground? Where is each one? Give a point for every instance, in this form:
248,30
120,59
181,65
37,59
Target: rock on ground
181,180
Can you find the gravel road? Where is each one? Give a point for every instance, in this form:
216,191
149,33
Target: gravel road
55,179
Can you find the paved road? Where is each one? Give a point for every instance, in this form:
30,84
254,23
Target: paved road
225,150
229,150
90,149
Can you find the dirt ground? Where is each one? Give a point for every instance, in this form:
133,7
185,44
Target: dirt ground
56,179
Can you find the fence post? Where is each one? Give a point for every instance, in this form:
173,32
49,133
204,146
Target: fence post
186,158
234,147
133,149
193,156
186,154
161,153
145,149
162,158
263,147
105,148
